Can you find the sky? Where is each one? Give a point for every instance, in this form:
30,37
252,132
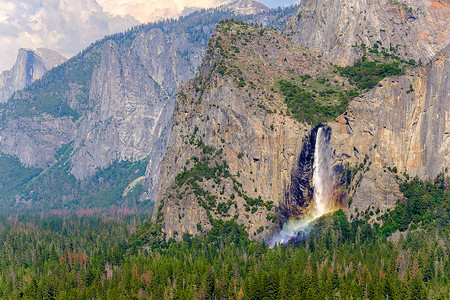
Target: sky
69,26
277,3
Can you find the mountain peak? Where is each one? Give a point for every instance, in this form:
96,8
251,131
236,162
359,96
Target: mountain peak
30,65
246,7
49,57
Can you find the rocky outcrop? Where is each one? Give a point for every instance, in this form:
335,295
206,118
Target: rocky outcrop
34,140
415,29
400,126
232,143
30,65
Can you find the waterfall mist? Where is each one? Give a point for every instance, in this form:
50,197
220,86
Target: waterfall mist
323,182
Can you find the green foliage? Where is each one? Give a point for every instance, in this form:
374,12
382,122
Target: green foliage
14,175
402,5
148,233
312,106
222,69
227,232
426,205
271,218
366,74
104,188
93,257
200,171
223,208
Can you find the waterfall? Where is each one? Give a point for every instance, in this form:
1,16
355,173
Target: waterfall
323,175
323,181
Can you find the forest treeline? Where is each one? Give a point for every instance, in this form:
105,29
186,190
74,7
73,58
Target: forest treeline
403,254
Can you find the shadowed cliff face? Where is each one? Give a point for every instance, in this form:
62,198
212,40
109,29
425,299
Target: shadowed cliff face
30,66
301,191
415,29
403,122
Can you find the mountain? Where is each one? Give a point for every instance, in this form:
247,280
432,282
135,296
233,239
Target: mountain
30,65
243,135
416,29
246,132
245,7
234,148
269,142
95,128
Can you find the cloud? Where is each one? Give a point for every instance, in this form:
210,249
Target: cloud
69,26
63,25
151,10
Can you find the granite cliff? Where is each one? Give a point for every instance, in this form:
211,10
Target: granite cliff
415,29
217,167
30,65
400,128
402,121
234,149
241,135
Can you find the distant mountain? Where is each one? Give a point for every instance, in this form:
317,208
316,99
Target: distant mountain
31,64
95,128
245,7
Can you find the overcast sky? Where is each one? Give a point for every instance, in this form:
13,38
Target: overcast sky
69,26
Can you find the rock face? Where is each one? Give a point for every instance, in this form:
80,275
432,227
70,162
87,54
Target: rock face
416,29
34,140
111,103
404,123
30,65
246,7
233,149
300,190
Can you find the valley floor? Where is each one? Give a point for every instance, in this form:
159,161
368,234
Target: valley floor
101,257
